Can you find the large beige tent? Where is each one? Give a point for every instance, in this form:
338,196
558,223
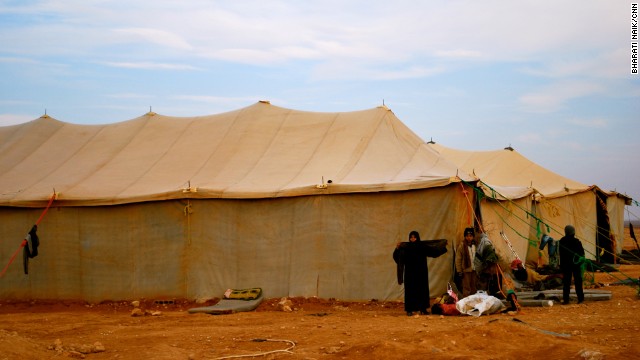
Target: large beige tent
524,200
298,203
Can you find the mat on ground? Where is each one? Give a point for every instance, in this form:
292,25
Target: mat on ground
233,301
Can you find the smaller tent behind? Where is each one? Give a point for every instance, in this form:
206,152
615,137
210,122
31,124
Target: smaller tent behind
523,201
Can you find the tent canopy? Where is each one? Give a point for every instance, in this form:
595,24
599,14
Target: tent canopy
259,151
510,173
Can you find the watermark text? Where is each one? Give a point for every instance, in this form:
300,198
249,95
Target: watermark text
634,38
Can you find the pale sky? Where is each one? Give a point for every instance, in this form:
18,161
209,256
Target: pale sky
552,79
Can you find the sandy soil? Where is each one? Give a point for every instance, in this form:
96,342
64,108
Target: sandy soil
323,328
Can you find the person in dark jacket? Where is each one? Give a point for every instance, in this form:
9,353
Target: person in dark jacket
571,259
416,274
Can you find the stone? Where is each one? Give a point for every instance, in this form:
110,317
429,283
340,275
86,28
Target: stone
98,347
285,304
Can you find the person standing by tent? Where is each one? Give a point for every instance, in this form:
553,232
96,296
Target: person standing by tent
486,264
411,258
465,254
571,259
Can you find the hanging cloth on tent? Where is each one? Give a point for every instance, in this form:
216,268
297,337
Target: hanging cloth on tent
552,250
30,243
30,249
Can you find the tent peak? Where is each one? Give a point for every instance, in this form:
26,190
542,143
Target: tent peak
265,102
431,141
509,148
383,106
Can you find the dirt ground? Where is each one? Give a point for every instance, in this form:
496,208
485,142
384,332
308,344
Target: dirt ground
323,329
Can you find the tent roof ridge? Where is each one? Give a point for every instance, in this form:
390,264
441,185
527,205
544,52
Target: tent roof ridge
150,113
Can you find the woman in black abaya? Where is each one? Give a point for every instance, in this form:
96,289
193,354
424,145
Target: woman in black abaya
412,258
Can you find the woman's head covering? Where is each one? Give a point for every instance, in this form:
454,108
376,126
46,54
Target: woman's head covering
416,234
469,231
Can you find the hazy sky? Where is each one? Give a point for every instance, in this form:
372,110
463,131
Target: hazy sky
550,78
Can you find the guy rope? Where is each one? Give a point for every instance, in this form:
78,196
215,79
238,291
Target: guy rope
504,237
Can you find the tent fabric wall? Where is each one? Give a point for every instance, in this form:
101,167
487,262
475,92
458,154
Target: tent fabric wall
524,220
577,210
335,246
615,208
511,218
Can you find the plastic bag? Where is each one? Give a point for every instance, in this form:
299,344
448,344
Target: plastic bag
479,303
